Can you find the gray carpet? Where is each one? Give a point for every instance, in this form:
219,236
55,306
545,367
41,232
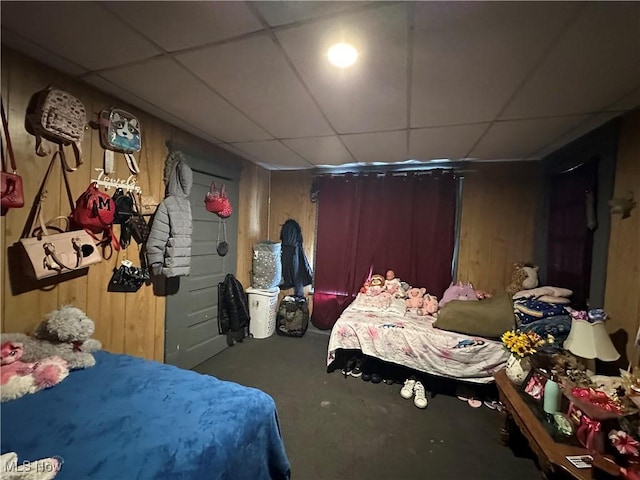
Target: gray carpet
345,428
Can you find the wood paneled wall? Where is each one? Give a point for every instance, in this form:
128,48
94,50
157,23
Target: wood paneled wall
130,323
500,203
622,293
290,199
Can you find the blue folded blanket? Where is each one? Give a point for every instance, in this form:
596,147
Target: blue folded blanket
529,310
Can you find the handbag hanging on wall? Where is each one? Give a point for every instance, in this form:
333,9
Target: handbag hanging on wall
12,190
128,278
216,201
53,250
119,132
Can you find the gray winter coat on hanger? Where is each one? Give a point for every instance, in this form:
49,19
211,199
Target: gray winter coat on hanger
169,243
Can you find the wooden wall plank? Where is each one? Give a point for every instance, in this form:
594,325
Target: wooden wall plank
253,217
499,208
622,292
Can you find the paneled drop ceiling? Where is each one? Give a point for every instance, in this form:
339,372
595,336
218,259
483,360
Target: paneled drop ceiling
483,81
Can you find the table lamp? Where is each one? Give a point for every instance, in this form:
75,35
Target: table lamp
589,339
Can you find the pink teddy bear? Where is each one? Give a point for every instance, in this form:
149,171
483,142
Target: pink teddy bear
19,378
415,297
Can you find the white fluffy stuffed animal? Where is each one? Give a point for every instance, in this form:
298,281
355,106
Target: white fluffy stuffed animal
44,469
65,333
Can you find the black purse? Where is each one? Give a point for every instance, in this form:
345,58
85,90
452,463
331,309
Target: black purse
137,225
128,278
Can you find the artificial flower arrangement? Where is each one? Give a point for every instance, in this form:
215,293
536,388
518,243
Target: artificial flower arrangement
523,344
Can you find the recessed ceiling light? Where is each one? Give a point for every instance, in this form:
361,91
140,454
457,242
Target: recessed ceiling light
342,55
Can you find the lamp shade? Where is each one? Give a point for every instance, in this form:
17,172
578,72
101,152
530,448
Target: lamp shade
590,340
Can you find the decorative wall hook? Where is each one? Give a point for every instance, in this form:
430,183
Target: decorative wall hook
105,181
622,205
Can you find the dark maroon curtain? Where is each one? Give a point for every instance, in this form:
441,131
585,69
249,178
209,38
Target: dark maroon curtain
572,220
404,223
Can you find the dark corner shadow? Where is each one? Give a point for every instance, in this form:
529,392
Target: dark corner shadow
163,287
21,275
620,338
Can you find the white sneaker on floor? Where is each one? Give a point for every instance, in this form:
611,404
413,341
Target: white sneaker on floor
407,390
420,399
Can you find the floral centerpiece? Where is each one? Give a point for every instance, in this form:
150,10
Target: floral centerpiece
521,345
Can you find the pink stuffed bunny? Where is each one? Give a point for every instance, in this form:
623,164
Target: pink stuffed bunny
19,378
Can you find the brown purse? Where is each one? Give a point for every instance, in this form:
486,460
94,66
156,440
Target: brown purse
12,193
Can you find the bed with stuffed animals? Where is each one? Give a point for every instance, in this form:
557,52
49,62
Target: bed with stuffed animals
457,337
108,416
402,337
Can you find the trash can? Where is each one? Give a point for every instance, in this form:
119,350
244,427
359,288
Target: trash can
263,306
267,265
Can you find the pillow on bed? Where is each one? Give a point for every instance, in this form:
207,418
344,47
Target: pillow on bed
489,318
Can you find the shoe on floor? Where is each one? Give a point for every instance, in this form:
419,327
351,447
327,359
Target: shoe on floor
375,378
366,376
407,390
420,398
356,371
349,367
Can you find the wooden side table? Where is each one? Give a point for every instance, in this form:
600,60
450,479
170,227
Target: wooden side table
551,454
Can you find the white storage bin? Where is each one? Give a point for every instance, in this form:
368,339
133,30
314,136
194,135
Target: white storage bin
263,308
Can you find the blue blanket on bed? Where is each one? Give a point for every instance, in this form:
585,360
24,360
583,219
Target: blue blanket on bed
128,418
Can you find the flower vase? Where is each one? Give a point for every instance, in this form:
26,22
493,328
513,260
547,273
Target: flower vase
518,368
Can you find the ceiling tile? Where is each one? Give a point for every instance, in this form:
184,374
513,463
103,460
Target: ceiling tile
591,123
275,153
40,53
126,96
452,143
594,65
179,25
371,94
321,150
169,86
520,139
470,57
66,28
253,75
377,147
243,154
282,13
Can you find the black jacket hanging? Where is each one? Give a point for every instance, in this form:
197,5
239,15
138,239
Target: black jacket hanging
296,272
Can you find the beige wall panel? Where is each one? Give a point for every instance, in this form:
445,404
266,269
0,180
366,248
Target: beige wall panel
499,207
622,293
290,199
253,216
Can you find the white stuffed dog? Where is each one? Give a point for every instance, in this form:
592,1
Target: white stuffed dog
65,333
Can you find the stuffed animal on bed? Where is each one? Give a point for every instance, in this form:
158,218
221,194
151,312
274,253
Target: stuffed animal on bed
65,333
429,305
19,378
415,297
458,291
525,277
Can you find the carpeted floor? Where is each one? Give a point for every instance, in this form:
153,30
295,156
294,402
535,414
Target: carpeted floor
344,428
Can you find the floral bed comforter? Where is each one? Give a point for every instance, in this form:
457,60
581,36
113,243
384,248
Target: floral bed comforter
412,341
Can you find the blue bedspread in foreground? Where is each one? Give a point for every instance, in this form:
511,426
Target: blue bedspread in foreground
127,418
